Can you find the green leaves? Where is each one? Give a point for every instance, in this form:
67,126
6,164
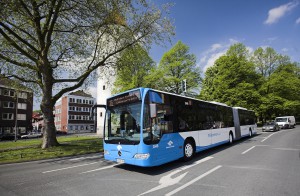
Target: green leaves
265,82
176,65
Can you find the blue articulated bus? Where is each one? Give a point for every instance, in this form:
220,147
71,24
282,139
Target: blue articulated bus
147,127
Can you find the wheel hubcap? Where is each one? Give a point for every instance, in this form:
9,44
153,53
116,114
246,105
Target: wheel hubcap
189,150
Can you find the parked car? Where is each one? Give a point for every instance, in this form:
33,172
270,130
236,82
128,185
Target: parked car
271,126
286,122
32,135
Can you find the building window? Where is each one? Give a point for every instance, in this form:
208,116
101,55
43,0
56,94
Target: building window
7,116
21,117
78,100
78,109
104,87
72,108
22,129
72,100
100,114
7,130
22,95
22,106
10,93
8,104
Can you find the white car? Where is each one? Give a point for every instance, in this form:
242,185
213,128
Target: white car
32,135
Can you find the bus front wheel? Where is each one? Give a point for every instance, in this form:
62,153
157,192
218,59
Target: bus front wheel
188,150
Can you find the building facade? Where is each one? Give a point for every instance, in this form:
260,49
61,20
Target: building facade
16,105
37,121
72,113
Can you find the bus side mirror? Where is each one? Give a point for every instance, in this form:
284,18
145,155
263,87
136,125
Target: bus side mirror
152,110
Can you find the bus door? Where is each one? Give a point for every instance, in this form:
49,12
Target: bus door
165,143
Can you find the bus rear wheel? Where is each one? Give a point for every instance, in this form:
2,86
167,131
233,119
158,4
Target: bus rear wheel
188,150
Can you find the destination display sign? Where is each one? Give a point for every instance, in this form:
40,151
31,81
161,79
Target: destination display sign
126,98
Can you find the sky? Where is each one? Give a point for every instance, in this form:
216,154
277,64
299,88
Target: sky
210,27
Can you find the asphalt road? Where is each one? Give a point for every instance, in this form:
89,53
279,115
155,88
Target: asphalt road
266,164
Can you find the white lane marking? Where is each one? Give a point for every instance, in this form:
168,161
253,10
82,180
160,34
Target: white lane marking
290,149
69,167
167,180
268,137
248,150
80,158
249,168
99,169
193,181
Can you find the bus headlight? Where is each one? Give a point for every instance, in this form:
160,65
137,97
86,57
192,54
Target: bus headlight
142,156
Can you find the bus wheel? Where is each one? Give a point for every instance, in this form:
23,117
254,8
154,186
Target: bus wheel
188,150
230,138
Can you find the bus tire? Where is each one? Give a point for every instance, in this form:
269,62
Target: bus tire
230,138
188,150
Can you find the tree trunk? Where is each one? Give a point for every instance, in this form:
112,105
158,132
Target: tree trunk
47,106
49,131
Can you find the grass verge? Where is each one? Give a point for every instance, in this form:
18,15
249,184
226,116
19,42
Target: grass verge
30,150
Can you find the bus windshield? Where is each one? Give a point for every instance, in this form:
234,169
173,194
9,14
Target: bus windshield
123,121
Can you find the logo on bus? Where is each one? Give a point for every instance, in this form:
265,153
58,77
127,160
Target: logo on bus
170,144
214,134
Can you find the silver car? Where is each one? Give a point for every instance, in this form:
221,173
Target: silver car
271,126
31,135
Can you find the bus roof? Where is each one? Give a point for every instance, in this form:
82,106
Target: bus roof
143,89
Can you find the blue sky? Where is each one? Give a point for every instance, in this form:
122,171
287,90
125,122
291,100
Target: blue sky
209,27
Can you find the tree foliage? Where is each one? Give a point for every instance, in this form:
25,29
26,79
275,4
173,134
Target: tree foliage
280,92
177,65
232,80
132,68
266,82
267,60
56,45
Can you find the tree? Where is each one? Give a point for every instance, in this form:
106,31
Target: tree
232,80
176,65
280,92
56,45
267,60
132,67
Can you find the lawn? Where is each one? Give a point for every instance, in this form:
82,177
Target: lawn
29,150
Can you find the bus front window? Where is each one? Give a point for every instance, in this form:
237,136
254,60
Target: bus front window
122,124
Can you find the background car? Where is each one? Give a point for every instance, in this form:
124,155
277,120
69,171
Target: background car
32,135
271,126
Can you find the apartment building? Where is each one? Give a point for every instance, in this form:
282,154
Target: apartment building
16,104
72,113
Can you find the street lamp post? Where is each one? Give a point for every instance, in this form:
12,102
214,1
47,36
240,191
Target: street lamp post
16,120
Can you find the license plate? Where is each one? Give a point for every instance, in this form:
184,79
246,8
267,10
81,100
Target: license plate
120,161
